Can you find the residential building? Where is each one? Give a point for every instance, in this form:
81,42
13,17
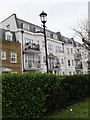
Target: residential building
61,50
10,53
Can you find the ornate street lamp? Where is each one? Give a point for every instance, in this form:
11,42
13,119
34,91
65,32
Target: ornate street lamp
22,32
43,17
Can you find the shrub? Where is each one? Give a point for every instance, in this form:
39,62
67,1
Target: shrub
32,95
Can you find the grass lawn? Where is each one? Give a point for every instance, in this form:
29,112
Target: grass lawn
79,110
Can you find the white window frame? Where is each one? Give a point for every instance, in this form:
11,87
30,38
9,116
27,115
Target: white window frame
43,44
68,51
62,61
14,57
58,49
72,62
8,37
2,55
44,59
50,48
26,26
71,50
54,36
38,59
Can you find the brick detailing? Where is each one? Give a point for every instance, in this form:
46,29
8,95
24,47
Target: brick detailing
9,47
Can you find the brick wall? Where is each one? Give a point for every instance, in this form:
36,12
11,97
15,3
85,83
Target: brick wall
9,47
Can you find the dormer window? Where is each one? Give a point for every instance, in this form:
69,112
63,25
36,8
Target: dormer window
8,36
37,30
47,34
26,27
54,36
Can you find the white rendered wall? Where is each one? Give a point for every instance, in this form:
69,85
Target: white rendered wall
9,21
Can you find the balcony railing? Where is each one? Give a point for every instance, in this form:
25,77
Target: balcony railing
77,56
54,65
32,66
32,47
78,66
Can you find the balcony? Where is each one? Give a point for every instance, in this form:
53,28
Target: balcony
32,66
32,48
54,66
77,56
51,56
78,67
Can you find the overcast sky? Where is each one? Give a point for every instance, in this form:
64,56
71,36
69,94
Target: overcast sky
62,15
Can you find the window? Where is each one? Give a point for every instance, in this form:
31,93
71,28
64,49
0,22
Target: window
31,58
3,55
70,73
58,49
25,26
13,58
67,50
8,37
68,62
71,51
44,60
38,43
62,61
37,29
50,48
73,72
63,73
38,59
26,58
28,40
43,44
54,36
72,62
47,34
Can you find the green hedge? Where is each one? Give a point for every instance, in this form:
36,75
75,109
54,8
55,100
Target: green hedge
32,95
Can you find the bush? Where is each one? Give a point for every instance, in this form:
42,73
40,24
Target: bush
32,95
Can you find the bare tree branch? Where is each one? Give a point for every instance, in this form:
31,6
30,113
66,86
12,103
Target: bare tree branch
81,29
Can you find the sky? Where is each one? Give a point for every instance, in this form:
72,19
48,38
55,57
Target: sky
62,15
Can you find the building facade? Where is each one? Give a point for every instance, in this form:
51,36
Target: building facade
10,53
63,54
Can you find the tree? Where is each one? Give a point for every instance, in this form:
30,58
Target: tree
82,31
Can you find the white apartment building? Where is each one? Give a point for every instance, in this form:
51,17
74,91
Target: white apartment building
62,51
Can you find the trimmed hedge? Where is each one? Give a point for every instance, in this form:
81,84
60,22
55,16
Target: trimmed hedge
32,95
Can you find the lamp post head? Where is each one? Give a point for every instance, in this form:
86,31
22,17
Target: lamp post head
43,17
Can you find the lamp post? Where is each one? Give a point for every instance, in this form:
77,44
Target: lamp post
22,32
43,17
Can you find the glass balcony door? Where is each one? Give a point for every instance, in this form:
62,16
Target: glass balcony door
30,60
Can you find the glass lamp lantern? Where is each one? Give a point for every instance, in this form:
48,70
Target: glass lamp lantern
43,17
